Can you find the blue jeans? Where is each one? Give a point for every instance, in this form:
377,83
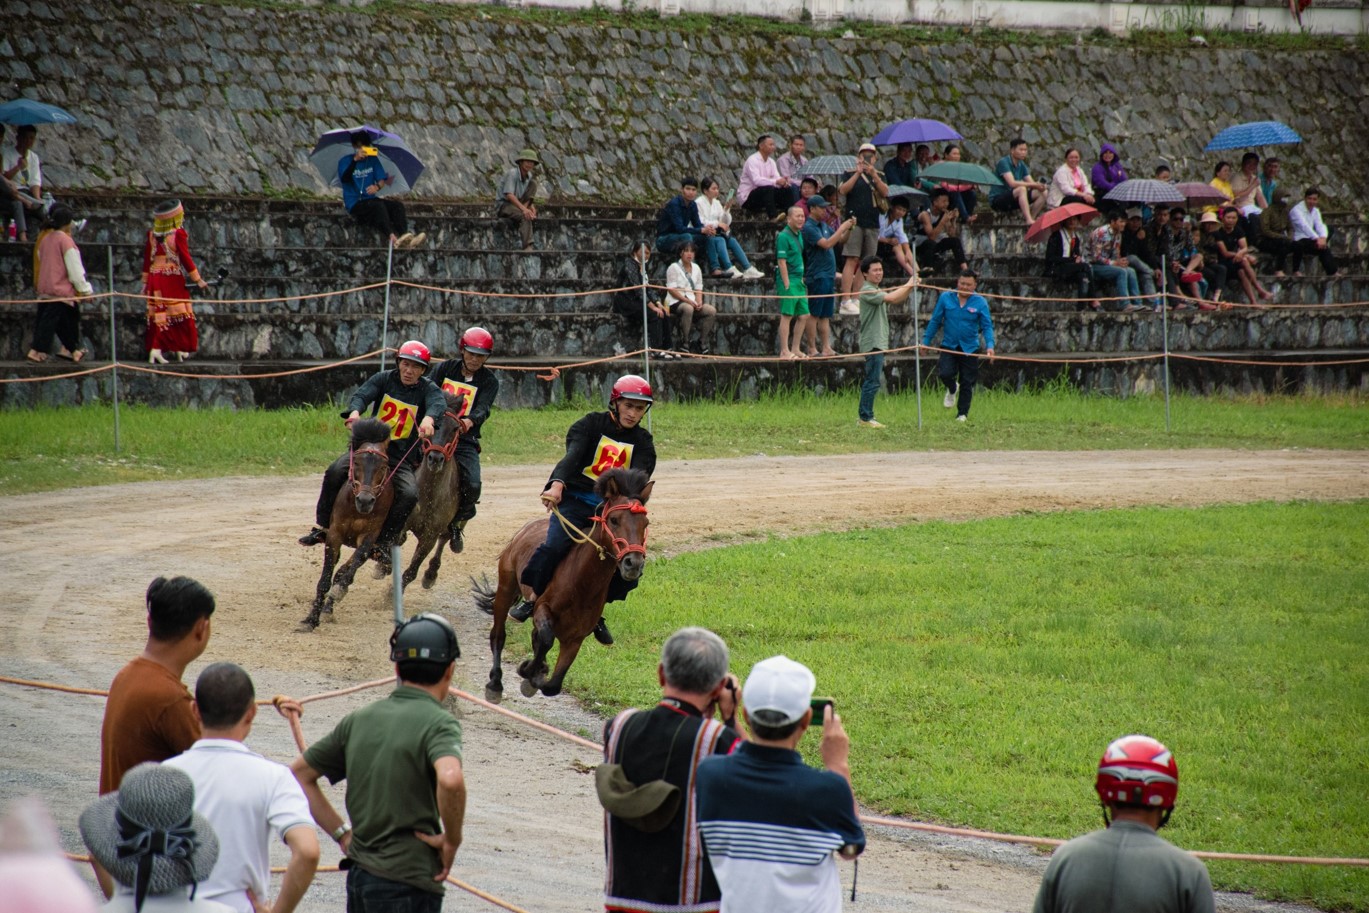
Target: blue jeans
1145,275
367,893
718,248
964,201
874,373
669,244
1124,279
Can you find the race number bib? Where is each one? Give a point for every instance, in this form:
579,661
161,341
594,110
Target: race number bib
398,415
609,455
457,388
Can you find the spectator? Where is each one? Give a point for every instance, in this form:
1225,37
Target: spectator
938,234
1275,228
1019,190
246,798
1136,250
406,793
1127,866
678,222
34,875
1107,171
865,192
893,239
808,188
166,266
1214,270
723,248
149,837
684,283
820,273
1221,179
791,164
467,375
24,172
924,158
963,196
1070,184
10,203
1186,263
363,177
628,302
1234,251
1065,261
789,284
1156,244
1163,172
874,333
58,275
517,195
834,214
965,317
1247,195
1107,263
901,169
762,188
1311,237
1269,179
770,822
651,757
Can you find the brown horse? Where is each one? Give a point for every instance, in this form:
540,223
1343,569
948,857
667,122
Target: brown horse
574,600
358,514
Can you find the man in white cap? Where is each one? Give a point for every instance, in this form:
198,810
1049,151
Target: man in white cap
864,190
770,822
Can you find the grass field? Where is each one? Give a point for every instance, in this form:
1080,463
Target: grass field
45,449
981,667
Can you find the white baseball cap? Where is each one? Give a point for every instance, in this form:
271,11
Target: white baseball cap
781,685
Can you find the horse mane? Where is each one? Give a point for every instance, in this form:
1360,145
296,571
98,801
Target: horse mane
630,482
369,431
453,399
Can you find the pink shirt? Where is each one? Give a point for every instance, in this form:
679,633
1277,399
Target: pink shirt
52,279
757,172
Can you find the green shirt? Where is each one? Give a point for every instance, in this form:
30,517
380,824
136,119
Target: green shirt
874,319
1125,867
789,248
386,751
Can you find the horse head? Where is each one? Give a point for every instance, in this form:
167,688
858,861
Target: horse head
447,434
623,517
368,462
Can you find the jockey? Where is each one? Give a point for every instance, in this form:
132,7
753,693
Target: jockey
468,374
598,442
409,403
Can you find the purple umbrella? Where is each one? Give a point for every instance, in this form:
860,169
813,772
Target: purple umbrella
398,159
915,130
1196,193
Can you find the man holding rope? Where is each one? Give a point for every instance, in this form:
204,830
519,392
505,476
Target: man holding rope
965,316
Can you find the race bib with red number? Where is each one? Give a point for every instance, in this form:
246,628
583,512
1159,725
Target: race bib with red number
609,455
399,416
457,388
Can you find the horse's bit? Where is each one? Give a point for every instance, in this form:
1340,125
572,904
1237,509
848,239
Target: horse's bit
448,448
357,487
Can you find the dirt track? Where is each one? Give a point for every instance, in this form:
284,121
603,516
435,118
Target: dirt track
77,564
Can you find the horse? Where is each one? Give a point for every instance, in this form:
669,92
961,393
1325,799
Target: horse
574,600
439,496
358,514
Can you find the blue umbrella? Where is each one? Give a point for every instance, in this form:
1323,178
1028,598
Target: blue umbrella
398,159
915,130
23,111
1257,133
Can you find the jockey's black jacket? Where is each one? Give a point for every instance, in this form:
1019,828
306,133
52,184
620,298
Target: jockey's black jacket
486,388
402,408
597,443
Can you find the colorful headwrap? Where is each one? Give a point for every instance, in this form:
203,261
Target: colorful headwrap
168,217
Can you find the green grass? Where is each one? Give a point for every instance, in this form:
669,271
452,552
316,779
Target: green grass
44,449
981,667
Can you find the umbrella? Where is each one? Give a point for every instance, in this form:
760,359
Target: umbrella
918,198
1196,193
915,130
826,165
24,111
1053,217
1145,190
961,173
1257,133
398,159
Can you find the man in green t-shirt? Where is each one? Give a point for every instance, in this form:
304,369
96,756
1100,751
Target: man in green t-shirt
874,332
406,793
789,283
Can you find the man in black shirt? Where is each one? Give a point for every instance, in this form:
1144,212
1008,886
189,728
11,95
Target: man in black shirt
863,189
468,375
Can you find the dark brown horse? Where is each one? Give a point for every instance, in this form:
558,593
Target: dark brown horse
574,600
358,514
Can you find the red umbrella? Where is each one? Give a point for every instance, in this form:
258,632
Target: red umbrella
1199,194
1053,217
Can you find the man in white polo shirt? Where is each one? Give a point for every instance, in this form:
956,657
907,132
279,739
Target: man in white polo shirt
246,798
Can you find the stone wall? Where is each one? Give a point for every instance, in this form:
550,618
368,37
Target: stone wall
179,97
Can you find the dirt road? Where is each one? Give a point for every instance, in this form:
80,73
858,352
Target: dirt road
77,564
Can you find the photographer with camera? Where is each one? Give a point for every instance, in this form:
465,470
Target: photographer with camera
867,196
770,822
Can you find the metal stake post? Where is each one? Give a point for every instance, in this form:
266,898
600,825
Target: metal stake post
1164,329
385,327
397,582
113,350
917,347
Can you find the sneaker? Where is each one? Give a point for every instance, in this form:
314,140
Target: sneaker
734,273
521,610
418,239
457,543
849,307
314,537
753,273
601,633
1132,308
949,399
869,424
78,225
960,418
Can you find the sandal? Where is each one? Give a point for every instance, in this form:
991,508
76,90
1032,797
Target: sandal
78,355
36,357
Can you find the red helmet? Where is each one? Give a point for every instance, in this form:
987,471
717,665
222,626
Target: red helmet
417,352
477,341
633,387
1137,770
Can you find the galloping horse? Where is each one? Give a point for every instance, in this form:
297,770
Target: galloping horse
358,514
574,600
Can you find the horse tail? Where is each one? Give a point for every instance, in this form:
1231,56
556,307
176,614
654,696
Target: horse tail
483,591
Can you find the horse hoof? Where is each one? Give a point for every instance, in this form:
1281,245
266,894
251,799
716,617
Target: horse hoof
379,573
307,625
528,688
493,695
330,617
429,580
336,594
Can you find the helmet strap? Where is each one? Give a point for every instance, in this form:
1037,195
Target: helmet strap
1107,822
1164,819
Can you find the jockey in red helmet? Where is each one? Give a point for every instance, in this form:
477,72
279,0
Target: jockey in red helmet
467,374
409,403
598,442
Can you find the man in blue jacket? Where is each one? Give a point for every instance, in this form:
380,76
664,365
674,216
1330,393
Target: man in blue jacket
363,177
964,315
678,221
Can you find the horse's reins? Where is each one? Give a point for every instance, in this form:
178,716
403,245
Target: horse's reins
449,448
357,487
621,546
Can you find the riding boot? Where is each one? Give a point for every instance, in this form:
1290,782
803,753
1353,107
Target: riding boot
314,537
457,543
601,633
522,609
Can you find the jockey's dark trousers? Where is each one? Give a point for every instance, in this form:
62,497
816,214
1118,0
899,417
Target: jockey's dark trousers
406,496
541,567
467,457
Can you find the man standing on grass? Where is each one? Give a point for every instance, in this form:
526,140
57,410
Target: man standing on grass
1127,865
874,333
965,316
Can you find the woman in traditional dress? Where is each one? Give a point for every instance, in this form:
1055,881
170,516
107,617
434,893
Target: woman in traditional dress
166,267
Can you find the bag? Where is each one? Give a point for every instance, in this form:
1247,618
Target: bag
648,808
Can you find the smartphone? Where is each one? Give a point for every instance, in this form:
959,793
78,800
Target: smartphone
820,705
730,195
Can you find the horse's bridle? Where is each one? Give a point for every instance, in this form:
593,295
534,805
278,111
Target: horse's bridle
621,546
448,448
357,487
